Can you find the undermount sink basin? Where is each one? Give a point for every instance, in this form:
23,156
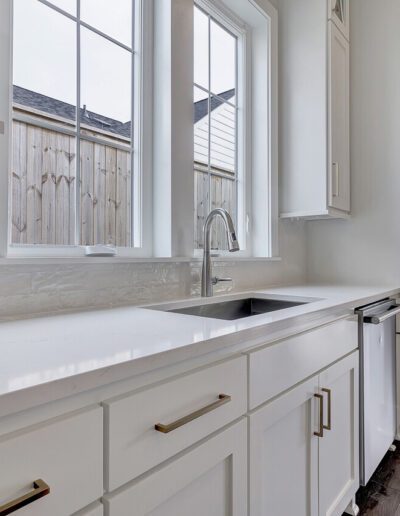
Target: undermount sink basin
237,308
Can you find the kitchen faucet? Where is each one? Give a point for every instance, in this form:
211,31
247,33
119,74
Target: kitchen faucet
207,281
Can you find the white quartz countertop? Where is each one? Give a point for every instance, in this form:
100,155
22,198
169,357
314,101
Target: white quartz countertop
53,357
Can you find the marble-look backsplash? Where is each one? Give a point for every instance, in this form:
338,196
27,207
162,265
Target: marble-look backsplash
36,289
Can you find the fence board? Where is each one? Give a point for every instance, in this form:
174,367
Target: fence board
48,182
111,169
72,188
19,184
87,192
34,183
121,197
62,189
100,194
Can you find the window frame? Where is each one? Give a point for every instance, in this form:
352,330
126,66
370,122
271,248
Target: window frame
140,147
167,154
261,219
232,24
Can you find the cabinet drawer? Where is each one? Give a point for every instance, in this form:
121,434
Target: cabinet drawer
66,453
210,479
285,363
133,445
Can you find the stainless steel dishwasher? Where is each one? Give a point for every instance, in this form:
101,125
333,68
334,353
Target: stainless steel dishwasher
377,341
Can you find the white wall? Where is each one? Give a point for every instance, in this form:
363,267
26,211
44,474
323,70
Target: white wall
42,288
366,249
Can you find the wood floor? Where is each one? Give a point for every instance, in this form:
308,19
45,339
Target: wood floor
381,497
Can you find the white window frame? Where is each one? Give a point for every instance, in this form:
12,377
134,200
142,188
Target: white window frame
237,28
167,134
141,158
257,199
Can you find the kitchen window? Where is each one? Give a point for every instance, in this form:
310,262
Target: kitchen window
76,168
98,140
218,111
231,118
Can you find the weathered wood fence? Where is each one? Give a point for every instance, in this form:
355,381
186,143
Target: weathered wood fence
44,188
222,191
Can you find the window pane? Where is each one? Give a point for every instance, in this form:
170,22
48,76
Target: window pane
222,166
201,36
105,165
223,136
114,18
43,159
66,5
223,59
201,157
44,51
105,84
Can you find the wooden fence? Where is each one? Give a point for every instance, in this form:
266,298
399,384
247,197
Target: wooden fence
221,188
44,188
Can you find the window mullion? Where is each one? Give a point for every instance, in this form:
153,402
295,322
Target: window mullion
78,129
209,115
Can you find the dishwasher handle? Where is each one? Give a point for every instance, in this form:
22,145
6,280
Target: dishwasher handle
378,319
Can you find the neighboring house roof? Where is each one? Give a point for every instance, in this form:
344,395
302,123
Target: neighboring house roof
223,133
201,107
62,109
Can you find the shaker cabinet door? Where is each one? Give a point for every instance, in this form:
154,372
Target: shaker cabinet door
208,480
339,121
338,449
284,454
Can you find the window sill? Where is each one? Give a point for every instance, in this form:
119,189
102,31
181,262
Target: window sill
74,260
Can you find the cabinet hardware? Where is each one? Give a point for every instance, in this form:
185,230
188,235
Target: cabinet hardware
379,319
329,393
320,433
335,179
40,489
165,429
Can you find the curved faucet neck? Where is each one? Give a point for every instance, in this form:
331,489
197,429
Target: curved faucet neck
206,279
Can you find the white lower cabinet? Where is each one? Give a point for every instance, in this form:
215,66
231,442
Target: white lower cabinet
57,466
292,469
338,449
210,479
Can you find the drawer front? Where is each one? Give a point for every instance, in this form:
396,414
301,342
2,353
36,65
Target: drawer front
286,363
65,453
133,445
208,480
96,509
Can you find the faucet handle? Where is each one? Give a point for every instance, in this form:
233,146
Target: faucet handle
216,280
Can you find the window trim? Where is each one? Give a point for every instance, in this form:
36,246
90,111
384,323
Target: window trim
169,235
141,159
262,183
230,22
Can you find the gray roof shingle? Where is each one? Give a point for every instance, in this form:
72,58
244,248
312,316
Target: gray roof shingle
62,109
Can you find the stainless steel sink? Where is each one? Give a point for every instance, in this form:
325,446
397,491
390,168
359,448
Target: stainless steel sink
237,308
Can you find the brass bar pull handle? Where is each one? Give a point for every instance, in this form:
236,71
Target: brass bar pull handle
165,429
320,433
335,179
329,425
40,489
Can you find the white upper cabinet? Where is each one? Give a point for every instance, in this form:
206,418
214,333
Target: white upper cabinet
338,117
339,14
314,109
